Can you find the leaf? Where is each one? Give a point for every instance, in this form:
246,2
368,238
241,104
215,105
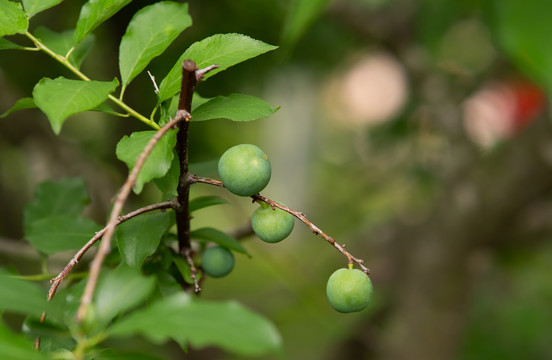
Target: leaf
61,43
23,103
524,31
203,323
93,13
112,354
218,237
149,33
301,14
60,98
159,160
120,290
139,237
20,296
33,7
61,197
12,18
169,182
7,45
57,233
236,107
17,347
205,201
224,50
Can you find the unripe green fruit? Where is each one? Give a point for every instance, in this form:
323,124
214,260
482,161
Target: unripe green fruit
272,225
244,169
349,290
217,261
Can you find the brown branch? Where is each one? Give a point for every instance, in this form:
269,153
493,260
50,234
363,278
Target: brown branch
188,253
103,250
189,81
299,215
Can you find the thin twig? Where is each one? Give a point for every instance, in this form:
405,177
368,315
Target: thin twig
188,254
299,215
155,87
125,190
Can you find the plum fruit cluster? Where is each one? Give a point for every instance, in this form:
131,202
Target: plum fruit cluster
245,170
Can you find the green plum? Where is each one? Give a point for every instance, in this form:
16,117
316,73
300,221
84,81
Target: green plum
271,225
244,169
349,290
217,261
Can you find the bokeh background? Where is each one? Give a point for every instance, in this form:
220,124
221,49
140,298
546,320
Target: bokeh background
414,131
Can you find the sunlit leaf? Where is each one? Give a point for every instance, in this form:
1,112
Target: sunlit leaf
93,13
57,233
149,33
224,50
60,98
218,237
169,182
203,323
12,18
139,237
21,104
158,162
236,107
33,7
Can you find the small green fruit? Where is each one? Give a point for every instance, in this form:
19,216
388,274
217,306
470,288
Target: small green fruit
271,225
349,290
244,169
217,261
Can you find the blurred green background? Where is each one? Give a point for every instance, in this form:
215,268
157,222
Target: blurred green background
414,131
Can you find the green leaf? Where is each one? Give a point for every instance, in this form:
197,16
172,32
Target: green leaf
12,18
203,323
20,296
170,106
93,13
149,33
159,160
60,98
301,14
169,182
218,237
23,103
7,45
17,347
524,30
61,43
236,107
57,233
106,109
33,7
120,290
205,201
61,197
224,50
139,237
